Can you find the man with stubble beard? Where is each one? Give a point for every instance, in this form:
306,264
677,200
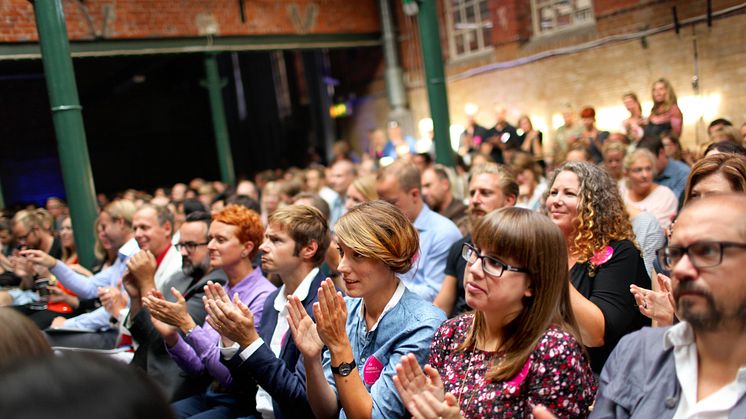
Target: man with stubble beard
491,186
151,354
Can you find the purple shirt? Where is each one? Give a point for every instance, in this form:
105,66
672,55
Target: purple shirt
199,350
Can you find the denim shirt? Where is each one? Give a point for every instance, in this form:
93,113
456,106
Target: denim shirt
408,327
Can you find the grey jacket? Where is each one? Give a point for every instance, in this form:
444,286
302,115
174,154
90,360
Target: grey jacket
639,380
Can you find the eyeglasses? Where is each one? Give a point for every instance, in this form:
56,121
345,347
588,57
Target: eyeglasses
490,265
703,254
189,246
24,238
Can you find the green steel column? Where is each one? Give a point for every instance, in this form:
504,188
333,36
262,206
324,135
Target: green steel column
214,86
432,56
67,117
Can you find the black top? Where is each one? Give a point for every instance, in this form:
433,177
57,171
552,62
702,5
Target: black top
56,250
455,266
609,290
506,135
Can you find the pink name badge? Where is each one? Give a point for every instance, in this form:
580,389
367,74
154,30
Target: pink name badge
372,370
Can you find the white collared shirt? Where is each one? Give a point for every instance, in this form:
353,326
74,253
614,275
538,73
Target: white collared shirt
263,399
715,406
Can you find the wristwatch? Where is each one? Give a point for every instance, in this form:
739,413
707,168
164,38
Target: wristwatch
344,369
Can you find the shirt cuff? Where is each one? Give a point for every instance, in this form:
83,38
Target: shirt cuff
255,345
227,352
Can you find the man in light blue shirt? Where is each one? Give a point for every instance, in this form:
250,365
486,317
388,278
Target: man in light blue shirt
399,184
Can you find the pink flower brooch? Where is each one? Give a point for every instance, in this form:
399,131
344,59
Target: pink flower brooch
599,258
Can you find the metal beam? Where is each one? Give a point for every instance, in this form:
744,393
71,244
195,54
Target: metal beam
107,48
432,56
67,117
214,86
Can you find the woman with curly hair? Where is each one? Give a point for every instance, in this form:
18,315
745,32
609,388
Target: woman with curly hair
603,258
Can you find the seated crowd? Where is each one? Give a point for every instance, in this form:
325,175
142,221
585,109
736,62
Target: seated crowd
388,286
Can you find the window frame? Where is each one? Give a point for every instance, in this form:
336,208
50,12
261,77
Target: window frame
536,20
484,46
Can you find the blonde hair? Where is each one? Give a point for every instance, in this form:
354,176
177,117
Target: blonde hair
304,224
379,230
121,209
632,157
668,101
530,240
366,185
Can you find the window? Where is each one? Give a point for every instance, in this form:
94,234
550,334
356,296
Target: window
551,16
469,27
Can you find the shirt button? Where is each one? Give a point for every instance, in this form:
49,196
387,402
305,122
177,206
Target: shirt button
670,403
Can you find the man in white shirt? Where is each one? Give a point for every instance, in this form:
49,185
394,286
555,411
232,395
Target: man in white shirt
294,246
696,368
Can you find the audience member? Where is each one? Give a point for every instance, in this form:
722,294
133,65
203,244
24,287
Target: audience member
19,339
671,173
639,190
591,138
437,194
491,186
294,246
362,189
531,139
399,184
584,203
366,332
693,368
341,175
633,126
531,182
613,154
665,114
521,335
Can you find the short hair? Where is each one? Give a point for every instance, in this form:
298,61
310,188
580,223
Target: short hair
441,172
62,386
121,209
525,161
652,143
29,218
316,201
199,217
192,205
719,121
533,241
366,185
379,230
726,147
19,338
726,133
162,214
610,146
406,174
244,201
582,148
731,166
508,184
588,112
291,187
602,216
250,228
304,224
632,157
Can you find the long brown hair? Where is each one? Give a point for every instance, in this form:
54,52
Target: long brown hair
531,240
668,101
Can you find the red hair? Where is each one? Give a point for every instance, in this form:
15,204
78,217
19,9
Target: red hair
250,228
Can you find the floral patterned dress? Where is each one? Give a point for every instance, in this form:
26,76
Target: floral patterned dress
556,375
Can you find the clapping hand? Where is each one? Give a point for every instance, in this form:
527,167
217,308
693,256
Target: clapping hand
174,314
331,317
234,321
303,329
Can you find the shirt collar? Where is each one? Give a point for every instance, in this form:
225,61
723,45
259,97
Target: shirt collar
301,292
389,306
128,249
678,335
420,223
162,256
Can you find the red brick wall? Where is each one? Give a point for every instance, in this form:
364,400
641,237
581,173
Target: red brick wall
187,18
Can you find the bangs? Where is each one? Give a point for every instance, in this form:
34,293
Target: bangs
506,234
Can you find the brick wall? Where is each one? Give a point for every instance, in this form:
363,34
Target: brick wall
126,19
599,76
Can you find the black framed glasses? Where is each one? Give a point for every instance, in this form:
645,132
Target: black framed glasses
702,254
189,246
490,265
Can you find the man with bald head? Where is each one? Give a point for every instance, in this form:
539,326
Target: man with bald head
696,368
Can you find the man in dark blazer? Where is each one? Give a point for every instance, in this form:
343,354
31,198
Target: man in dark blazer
294,246
151,354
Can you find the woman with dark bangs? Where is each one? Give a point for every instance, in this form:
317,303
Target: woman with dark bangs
518,348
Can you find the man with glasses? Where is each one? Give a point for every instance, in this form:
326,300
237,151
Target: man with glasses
151,353
696,368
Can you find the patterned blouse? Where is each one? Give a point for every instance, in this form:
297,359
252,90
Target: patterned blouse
556,375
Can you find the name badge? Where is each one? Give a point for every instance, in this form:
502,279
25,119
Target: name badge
372,370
